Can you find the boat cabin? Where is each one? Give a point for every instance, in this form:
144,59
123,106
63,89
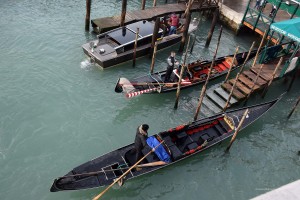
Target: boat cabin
123,38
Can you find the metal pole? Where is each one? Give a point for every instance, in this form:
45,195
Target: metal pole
88,14
271,80
181,74
231,92
135,46
237,130
232,63
208,76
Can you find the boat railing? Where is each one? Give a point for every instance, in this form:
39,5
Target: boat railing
159,83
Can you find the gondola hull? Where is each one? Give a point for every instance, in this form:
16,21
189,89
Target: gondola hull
180,143
155,83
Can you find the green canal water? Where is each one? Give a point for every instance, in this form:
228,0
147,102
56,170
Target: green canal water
57,112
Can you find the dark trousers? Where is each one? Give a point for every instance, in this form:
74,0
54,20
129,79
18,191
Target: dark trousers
168,73
138,154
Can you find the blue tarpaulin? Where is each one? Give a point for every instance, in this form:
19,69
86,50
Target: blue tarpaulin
160,150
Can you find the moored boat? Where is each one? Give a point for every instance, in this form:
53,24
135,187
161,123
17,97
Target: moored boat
116,46
198,70
177,144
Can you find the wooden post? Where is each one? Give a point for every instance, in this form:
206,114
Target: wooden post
237,130
181,74
123,14
212,28
135,46
88,14
256,79
232,63
143,4
231,92
271,80
154,36
153,58
166,1
207,78
242,67
154,3
258,50
185,31
294,108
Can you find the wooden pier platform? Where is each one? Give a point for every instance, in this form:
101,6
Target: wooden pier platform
101,25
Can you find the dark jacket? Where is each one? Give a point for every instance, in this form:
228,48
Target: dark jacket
140,140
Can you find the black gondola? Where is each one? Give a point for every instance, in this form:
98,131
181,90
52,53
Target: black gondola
196,74
116,46
179,143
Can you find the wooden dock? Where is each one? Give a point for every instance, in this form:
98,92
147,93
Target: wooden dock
217,95
101,25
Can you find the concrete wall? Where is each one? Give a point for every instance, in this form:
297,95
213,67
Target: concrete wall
230,17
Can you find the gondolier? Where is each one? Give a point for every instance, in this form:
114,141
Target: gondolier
140,140
171,63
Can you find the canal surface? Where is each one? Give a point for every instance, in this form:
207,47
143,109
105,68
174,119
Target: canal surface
57,112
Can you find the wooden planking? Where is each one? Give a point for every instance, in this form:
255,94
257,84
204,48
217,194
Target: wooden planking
241,87
108,23
236,93
225,95
247,82
253,76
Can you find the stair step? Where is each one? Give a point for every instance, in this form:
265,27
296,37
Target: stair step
216,99
225,95
206,111
237,94
252,76
209,104
240,87
247,82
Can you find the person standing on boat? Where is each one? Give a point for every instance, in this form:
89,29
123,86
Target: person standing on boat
140,140
171,63
174,21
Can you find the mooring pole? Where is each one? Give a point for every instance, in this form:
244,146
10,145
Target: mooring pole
237,130
255,81
88,14
123,14
135,46
258,50
232,63
248,55
154,3
143,4
231,92
153,58
154,36
207,78
212,28
185,31
181,74
271,80
294,108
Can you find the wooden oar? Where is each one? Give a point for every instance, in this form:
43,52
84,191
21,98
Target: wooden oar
119,178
